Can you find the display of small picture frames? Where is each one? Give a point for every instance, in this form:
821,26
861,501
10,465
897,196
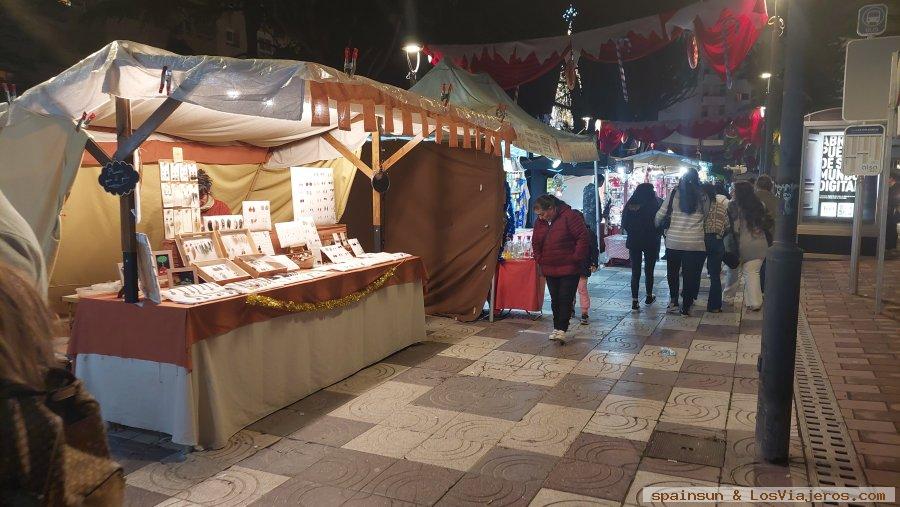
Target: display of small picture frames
164,264
220,271
235,243
198,246
183,276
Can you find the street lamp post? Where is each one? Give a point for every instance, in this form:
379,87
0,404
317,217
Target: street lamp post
410,49
784,258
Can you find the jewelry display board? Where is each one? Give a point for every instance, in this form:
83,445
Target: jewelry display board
192,294
235,243
263,242
283,260
257,215
180,197
337,254
220,271
356,247
312,192
258,265
198,246
223,223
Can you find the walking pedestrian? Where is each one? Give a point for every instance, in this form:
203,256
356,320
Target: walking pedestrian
643,240
748,221
591,264
560,243
716,225
683,218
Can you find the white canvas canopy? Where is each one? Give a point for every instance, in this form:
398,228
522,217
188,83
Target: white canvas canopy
479,92
286,106
661,160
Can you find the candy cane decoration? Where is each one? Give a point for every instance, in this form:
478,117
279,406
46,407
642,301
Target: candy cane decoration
623,42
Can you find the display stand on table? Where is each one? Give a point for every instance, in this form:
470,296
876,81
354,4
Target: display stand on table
518,283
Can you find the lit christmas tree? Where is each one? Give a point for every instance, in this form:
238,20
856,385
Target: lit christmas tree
561,114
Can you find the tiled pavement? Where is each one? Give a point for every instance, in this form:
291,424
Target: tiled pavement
495,414
861,353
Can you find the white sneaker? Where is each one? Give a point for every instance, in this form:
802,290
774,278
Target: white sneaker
561,337
555,334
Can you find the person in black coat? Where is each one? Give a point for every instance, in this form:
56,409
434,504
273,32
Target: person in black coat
590,265
638,220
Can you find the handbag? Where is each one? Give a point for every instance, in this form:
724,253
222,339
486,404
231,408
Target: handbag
666,222
61,456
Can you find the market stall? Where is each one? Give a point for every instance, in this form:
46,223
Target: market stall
661,169
518,283
275,300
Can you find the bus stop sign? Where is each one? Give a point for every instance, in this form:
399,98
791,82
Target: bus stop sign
863,150
872,20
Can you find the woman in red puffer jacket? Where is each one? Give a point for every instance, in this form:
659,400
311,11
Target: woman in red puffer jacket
560,244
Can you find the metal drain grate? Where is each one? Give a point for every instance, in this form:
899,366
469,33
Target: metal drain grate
830,457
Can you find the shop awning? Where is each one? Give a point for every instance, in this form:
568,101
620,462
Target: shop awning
479,92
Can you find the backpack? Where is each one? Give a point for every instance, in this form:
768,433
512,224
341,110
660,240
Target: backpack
54,447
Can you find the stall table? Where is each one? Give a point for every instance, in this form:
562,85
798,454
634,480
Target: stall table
616,250
519,285
201,373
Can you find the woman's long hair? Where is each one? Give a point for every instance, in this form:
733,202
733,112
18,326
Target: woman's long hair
749,206
644,195
689,192
548,201
26,329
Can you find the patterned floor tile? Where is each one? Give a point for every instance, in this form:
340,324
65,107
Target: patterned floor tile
368,378
600,480
701,381
504,358
603,364
387,441
139,497
346,468
547,429
536,377
479,490
648,376
413,482
707,368
503,330
680,469
380,402
515,465
320,402
489,370
416,353
422,376
331,431
461,351
475,428
282,423
722,319
171,478
620,426
456,394
553,364
419,419
362,499
627,343
687,449
679,323
579,391
575,349
445,364
287,457
134,455
742,412
631,407
307,494
646,479
636,327
652,357
234,487
644,390
603,449
693,431
527,343
483,342
449,452
550,497
714,351
508,400
746,385
697,407
454,333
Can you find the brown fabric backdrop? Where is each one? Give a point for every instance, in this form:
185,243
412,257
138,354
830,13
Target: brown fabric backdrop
445,206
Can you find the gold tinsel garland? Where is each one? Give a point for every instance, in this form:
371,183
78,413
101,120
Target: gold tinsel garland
331,304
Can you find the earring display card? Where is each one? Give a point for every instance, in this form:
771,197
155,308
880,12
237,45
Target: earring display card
236,243
356,247
221,271
180,197
312,193
257,215
337,254
198,247
284,261
258,265
223,223
263,242
290,234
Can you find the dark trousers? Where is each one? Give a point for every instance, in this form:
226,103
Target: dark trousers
715,250
649,256
689,264
562,299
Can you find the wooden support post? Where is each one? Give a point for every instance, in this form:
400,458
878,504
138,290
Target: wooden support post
376,196
126,207
349,155
406,148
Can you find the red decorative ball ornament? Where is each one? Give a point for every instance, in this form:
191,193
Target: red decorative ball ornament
693,50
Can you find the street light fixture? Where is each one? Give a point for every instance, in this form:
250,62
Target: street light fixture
766,75
410,49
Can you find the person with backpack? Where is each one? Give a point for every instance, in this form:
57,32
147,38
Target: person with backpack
643,239
682,217
715,228
560,243
53,447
